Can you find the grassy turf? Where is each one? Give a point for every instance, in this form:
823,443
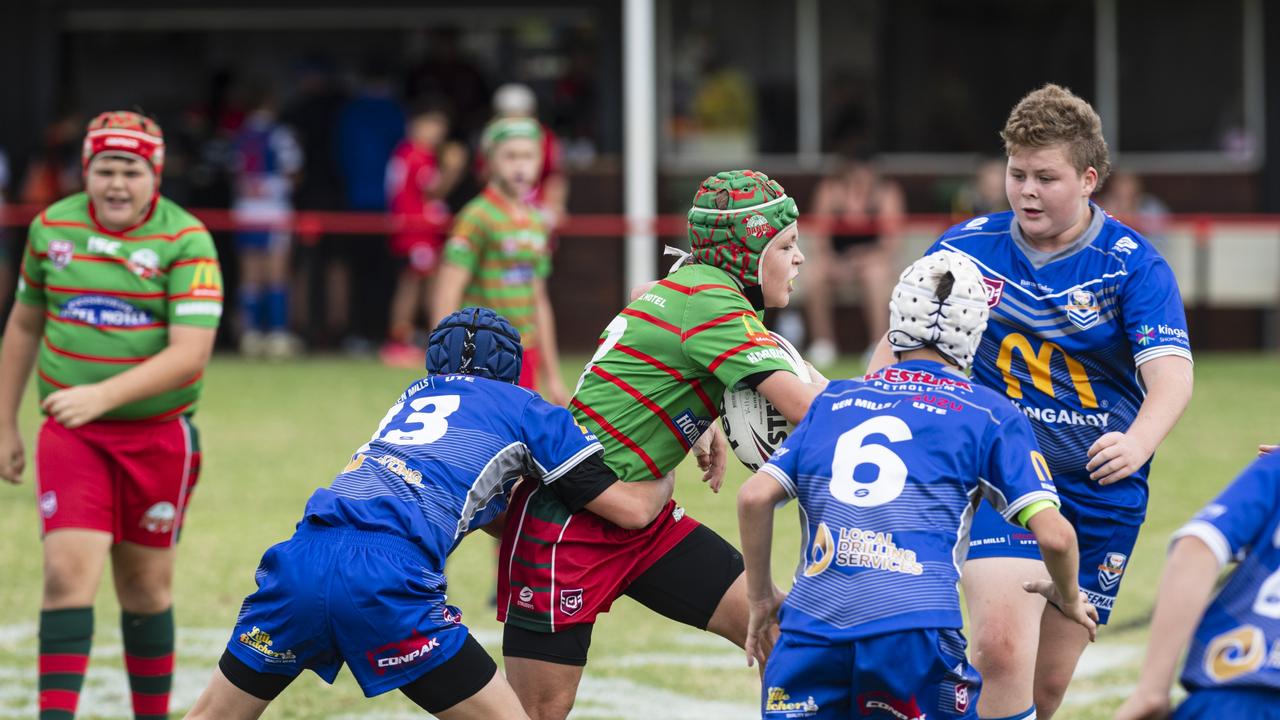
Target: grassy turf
273,432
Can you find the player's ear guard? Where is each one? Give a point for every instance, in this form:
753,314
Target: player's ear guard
939,302
476,341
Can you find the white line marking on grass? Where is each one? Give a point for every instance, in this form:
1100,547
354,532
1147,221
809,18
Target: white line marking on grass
13,636
105,695
1102,658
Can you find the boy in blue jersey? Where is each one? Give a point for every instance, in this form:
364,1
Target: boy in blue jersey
1089,339
888,470
362,579
1233,667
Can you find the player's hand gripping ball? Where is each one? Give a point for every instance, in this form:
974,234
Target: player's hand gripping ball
753,426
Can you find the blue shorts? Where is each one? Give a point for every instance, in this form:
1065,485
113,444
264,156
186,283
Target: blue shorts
333,595
1106,542
1252,703
264,240
911,674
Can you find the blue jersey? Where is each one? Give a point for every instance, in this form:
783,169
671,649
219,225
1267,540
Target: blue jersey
888,470
1067,334
267,156
444,459
1237,644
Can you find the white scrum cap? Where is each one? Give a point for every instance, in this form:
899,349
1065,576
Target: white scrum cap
939,302
514,100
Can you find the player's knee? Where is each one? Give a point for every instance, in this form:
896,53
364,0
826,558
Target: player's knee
144,592
1050,688
551,704
67,581
1000,652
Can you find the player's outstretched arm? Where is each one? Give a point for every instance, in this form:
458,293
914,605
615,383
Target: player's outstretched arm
17,358
789,394
1189,574
633,505
757,501
1115,456
182,359
1061,554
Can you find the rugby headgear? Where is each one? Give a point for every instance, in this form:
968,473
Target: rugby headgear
514,100
939,302
504,129
475,341
125,133
735,216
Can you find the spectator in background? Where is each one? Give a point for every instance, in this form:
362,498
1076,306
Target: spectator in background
266,163
497,254
984,194
370,126
1123,197
855,238
423,170
313,116
550,193
54,172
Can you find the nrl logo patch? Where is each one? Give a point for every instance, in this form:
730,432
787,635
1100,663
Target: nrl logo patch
571,601
1083,310
995,290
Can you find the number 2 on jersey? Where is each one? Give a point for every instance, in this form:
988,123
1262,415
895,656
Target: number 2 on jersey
852,450
613,333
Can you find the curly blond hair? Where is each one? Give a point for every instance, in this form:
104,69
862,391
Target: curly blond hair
1051,115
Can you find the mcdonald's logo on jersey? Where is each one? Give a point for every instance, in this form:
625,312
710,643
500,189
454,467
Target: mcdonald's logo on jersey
757,332
1038,362
206,280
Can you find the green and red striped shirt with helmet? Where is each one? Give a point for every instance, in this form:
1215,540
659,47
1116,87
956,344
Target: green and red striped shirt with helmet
110,297
655,382
504,252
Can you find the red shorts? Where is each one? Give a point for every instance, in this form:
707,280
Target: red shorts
420,253
553,575
529,365
131,479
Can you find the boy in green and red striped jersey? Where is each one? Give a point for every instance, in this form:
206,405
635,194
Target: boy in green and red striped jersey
649,394
497,254
117,306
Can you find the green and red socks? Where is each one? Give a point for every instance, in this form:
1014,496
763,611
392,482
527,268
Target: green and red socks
65,638
148,659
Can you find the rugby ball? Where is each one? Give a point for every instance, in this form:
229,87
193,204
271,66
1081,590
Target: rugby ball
753,427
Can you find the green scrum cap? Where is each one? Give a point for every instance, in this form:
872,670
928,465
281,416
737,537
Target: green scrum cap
735,215
503,129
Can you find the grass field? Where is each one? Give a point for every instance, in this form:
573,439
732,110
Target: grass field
272,433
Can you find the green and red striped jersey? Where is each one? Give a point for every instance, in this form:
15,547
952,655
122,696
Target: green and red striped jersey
655,382
504,252
110,297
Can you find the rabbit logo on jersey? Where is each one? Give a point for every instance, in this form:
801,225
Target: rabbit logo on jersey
778,702
61,252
